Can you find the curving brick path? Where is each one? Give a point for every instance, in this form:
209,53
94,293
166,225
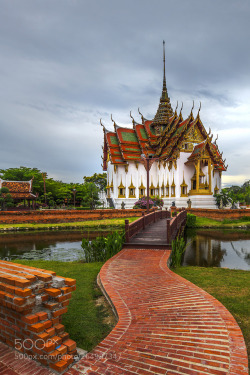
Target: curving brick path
166,326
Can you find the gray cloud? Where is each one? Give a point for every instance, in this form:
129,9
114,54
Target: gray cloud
64,64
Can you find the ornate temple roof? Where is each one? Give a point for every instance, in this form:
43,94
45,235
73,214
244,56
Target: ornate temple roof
162,137
19,189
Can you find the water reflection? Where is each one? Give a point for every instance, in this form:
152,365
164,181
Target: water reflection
216,248
56,245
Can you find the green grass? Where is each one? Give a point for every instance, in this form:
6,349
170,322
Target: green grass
230,287
90,224
84,320
226,223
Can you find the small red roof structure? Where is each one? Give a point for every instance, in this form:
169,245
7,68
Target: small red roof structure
19,189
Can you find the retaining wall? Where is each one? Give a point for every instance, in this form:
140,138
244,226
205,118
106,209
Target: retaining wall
32,302
63,216
218,214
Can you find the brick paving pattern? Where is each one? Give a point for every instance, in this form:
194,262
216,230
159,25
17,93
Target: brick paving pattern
166,325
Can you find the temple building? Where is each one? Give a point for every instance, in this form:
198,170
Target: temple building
20,191
185,164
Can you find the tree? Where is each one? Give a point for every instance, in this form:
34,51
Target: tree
5,198
25,174
223,197
99,179
90,198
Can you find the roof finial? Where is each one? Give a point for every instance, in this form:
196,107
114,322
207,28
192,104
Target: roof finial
142,117
199,109
164,70
176,106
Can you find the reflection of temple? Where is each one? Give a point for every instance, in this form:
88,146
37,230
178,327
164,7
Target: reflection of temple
186,164
204,251
20,191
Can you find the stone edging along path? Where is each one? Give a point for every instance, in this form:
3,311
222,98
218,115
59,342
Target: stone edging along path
166,326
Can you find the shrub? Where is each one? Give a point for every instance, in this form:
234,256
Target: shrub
191,221
142,203
153,201
178,250
102,248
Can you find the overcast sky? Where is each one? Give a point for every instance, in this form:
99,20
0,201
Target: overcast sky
64,64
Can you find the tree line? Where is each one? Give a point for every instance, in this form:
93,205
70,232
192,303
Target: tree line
53,193
234,194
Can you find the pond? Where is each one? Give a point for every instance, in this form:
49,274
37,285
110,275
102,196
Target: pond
49,245
206,248
218,248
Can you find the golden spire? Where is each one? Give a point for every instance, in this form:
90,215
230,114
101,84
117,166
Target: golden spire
165,110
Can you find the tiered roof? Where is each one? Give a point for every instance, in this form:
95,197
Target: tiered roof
163,137
19,189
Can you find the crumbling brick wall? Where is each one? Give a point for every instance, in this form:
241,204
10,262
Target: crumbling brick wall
32,302
219,214
63,216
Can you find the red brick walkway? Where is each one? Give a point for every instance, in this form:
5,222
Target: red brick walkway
166,326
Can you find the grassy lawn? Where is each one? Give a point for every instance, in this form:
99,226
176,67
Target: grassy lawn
90,224
85,320
230,287
205,222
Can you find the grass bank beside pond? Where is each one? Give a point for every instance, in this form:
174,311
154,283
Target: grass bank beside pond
105,224
202,222
230,287
88,320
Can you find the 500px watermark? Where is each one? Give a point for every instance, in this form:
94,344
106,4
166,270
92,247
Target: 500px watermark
29,344
109,355
37,357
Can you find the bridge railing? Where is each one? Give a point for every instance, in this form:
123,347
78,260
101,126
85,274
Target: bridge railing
174,225
133,228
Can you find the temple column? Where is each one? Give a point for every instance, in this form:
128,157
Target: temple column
197,166
209,175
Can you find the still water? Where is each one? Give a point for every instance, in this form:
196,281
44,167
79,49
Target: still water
56,245
217,248
206,248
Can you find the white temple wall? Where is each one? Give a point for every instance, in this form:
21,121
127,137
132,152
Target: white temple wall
160,175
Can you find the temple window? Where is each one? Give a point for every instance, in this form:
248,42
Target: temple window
216,189
152,189
162,191
184,191
121,190
142,192
131,192
121,193
184,187
131,189
173,188
167,191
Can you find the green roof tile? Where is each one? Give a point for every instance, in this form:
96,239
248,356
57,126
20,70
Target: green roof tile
129,137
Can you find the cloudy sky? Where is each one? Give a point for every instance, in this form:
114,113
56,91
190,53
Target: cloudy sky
64,64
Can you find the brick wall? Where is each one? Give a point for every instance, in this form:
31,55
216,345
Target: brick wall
219,214
63,216
32,302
